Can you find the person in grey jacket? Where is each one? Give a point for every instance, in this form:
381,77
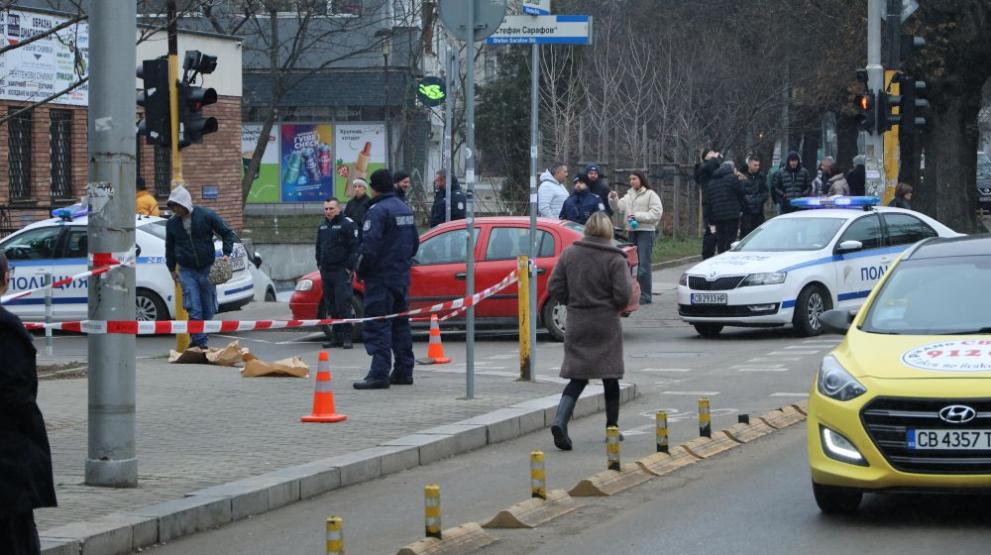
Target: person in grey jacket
552,193
593,279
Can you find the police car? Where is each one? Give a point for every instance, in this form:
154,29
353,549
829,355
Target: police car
59,246
798,265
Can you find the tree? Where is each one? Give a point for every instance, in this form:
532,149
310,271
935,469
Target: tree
504,122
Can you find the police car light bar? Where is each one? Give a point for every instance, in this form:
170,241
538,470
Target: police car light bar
70,213
834,202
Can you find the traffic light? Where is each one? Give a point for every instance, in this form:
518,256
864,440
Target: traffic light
192,99
866,111
887,104
914,104
154,97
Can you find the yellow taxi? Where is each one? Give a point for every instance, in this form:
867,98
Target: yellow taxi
904,402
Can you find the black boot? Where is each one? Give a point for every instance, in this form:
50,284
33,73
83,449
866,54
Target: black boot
560,428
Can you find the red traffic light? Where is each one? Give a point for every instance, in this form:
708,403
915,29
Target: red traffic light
863,102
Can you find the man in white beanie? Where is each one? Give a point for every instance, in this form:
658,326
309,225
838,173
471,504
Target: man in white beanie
189,244
358,205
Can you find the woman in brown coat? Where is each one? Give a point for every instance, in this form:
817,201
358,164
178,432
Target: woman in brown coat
593,279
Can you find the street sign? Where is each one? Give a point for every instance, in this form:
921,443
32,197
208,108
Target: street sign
543,29
537,7
431,91
488,14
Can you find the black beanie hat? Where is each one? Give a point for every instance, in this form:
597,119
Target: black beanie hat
399,176
381,181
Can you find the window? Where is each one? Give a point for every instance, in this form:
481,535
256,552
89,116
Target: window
60,140
77,245
867,230
163,170
446,248
791,234
508,243
904,229
19,154
37,244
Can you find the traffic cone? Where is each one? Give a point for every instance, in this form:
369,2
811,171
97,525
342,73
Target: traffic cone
323,395
435,349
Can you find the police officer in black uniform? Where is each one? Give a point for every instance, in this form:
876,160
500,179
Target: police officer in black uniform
337,249
389,242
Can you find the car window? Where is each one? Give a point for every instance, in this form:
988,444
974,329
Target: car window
76,246
867,230
791,234
446,248
37,244
510,242
156,228
905,229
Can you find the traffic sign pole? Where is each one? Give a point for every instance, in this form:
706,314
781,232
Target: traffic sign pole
470,212
534,117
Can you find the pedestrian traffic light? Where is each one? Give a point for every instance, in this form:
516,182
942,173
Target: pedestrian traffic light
914,104
154,98
888,110
866,111
192,99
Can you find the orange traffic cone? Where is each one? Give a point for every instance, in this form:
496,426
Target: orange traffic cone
435,349
323,395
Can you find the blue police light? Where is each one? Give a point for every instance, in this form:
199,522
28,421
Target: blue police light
808,203
70,213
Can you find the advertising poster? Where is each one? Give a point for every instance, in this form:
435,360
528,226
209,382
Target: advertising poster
307,162
360,151
42,68
266,187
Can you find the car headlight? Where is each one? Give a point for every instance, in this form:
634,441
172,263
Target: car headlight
304,285
770,278
835,382
683,280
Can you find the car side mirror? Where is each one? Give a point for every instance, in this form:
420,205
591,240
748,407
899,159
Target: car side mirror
850,246
137,250
836,321
257,260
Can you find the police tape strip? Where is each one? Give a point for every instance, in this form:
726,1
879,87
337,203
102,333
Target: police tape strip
101,263
167,327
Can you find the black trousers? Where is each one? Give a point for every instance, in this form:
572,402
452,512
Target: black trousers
337,295
726,231
18,535
750,222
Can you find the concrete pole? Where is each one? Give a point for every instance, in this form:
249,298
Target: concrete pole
470,211
452,75
112,456
534,151
874,142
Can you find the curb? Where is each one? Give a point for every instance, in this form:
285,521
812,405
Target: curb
215,506
676,262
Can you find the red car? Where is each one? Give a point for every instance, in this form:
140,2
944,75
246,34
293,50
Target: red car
438,272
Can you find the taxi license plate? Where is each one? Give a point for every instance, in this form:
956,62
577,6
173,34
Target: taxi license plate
972,440
239,258
709,298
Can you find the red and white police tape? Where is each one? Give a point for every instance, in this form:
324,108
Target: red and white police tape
167,327
100,263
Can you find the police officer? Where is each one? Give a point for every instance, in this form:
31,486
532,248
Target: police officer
337,249
581,204
389,242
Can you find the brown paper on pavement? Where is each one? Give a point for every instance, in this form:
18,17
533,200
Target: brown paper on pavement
192,355
290,367
230,355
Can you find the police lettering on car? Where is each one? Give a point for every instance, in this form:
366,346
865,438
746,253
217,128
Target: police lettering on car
797,265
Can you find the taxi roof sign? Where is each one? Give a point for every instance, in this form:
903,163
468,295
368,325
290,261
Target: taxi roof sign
807,203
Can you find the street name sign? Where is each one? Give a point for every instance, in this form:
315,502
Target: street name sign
537,7
543,29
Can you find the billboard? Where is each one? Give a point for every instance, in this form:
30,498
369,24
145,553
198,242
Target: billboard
35,71
307,161
266,187
360,151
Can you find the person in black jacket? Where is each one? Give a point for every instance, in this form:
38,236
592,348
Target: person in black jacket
337,249
857,177
754,196
903,197
722,203
597,185
459,203
711,160
791,181
357,207
403,183
26,481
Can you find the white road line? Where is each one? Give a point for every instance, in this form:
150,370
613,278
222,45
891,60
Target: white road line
694,393
629,433
503,357
786,394
793,353
799,347
664,370
762,370
774,359
752,365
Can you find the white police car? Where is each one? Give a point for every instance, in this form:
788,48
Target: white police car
59,246
798,265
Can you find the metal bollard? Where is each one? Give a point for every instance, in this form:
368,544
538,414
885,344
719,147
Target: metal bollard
538,475
705,420
662,431
335,535
743,418
431,510
612,447
48,313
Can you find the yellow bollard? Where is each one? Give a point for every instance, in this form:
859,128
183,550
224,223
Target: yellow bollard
705,420
612,447
662,431
523,289
431,510
538,475
335,535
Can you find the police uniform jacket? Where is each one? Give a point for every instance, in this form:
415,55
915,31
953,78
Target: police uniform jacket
337,243
389,242
580,206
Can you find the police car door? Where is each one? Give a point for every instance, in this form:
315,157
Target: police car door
30,255
857,271
72,258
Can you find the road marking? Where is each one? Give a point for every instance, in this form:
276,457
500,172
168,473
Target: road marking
799,347
762,370
774,359
503,357
629,433
665,370
694,393
793,353
786,394
751,365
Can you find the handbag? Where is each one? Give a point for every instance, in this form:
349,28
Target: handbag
634,304
221,271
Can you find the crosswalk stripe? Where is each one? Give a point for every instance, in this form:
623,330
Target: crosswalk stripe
786,394
701,393
762,370
665,370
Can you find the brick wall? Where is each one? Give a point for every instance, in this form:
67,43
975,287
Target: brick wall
217,161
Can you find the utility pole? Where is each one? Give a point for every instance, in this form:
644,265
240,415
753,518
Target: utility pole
534,131
470,209
874,142
111,459
892,162
182,339
448,147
